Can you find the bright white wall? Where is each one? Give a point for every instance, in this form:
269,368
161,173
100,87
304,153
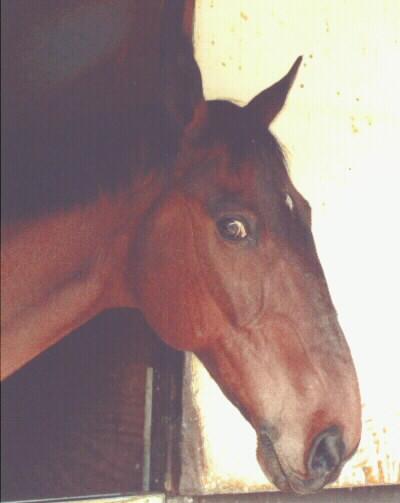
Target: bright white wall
341,127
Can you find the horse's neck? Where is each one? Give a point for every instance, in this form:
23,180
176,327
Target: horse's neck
63,269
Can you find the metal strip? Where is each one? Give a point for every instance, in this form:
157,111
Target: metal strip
148,406
383,494
111,498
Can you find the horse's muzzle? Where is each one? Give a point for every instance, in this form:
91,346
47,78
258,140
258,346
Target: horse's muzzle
325,460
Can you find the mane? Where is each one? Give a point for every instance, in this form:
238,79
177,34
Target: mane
51,169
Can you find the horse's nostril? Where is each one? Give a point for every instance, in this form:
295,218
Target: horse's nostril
326,453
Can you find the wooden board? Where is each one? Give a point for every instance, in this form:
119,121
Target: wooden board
73,419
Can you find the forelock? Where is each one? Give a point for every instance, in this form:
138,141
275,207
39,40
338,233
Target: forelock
245,139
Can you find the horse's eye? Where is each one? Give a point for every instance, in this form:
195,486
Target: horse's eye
234,229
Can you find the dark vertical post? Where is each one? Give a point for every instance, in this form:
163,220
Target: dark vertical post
165,459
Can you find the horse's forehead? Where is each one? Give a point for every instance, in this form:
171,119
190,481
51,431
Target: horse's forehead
251,176
244,176
248,170
245,170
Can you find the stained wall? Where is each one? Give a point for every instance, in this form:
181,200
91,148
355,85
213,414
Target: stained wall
341,130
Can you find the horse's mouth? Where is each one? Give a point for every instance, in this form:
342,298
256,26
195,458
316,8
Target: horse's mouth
273,469
284,478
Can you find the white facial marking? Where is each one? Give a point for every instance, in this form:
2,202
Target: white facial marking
289,202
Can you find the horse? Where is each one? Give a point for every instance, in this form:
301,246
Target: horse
183,209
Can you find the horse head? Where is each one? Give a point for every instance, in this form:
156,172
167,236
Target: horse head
226,267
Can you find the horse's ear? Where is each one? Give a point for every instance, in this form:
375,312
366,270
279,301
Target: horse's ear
183,95
267,105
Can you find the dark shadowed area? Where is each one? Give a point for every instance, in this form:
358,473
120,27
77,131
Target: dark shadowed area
73,418
82,92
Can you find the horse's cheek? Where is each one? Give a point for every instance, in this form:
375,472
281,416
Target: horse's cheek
238,277
166,277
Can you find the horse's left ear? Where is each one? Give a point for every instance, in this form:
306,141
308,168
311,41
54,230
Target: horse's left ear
183,91
267,105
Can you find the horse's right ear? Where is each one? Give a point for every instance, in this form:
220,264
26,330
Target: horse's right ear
183,90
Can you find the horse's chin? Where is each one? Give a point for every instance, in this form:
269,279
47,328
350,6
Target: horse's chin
270,464
281,477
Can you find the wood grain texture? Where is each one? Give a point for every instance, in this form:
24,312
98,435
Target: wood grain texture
72,419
